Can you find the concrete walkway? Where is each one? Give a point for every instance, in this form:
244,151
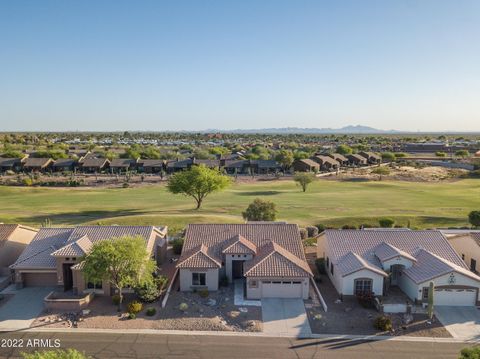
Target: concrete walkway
238,295
285,317
21,310
461,322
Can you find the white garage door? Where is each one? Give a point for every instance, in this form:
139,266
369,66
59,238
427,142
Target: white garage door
455,297
281,289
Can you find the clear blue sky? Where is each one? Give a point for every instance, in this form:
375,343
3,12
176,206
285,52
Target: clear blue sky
158,65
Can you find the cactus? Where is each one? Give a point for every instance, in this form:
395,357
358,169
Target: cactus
430,301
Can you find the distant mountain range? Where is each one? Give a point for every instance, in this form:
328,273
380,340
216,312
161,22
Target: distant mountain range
358,129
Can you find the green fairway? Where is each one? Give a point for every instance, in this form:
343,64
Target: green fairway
333,203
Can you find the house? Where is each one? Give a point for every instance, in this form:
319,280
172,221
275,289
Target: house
264,166
122,165
477,154
372,261
306,165
268,257
178,165
371,157
467,244
339,158
94,164
64,165
54,256
326,163
151,166
213,164
33,164
237,166
14,238
10,164
357,160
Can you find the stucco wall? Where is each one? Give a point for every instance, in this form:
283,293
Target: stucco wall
348,282
211,279
468,247
460,280
409,287
256,293
228,263
10,250
407,263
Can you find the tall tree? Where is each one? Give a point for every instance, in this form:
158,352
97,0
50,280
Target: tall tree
303,179
285,158
474,218
123,261
197,182
260,210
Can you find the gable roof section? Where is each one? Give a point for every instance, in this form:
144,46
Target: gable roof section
385,251
430,266
10,162
352,262
309,162
94,162
122,162
6,230
199,257
37,162
75,249
238,244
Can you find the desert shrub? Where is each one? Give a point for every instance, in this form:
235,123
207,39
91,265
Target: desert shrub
320,264
134,307
177,245
386,222
224,281
366,300
125,185
303,233
55,354
151,291
312,231
321,227
470,353
151,312
203,293
116,299
349,226
27,182
183,307
132,316
383,323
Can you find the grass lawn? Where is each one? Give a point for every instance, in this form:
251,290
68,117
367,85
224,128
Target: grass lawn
334,203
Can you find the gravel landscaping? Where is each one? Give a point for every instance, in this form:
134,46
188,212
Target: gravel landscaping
349,317
215,312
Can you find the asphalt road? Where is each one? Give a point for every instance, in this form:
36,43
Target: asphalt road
106,345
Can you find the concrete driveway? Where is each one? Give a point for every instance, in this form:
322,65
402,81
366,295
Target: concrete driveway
285,317
21,310
461,322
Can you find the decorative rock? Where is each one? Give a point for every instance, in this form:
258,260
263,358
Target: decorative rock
338,301
348,309
243,310
86,312
211,302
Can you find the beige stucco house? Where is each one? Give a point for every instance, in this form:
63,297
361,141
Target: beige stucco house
267,257
54,256
14,238
467,244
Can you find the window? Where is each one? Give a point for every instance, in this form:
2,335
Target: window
92,285
198,278
328,262
425,293
363,286
331,268
463,256
253,283
473,265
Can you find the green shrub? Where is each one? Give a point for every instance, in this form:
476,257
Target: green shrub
303,233
312,231
321,227
348,226
116,299
134,307
470,353
132,316
55,354
320,264
27,182
125,185
183,307
203,293
151,312
151,291
177,245
386,222
383,323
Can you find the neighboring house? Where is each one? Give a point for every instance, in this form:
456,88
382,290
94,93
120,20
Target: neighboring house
372,261
94,164
477,154
237,166
371,157
339,158
357,160
178,165
33,164
10,164
14,238
326,163
64,165
467,245
122,165
306,165
54,256
151,166
269,257
264,166
214,164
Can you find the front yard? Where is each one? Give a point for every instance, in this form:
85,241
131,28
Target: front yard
349,317
216,312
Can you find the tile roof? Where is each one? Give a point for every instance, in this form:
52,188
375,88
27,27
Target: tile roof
6,231
10,162
51,242
238,244
236,163
309,162
180,164
430,266
338,157
326,159
200,257
94,162
272,260
64,162
385,251
151,163
36,162
352,262
122,162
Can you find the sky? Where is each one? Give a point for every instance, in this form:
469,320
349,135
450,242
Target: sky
194,65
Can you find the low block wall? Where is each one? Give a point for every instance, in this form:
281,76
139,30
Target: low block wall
67,304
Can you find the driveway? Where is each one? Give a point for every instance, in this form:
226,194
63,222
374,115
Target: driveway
21,310
461,322
285,317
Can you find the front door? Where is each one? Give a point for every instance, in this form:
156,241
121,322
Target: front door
67,276
237,269
396,269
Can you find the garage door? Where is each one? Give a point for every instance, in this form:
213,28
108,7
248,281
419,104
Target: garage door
455,297
281,289
39,279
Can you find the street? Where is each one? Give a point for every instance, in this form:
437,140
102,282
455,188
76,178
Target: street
107,345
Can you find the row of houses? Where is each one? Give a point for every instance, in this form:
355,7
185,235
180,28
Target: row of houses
334,161
266,257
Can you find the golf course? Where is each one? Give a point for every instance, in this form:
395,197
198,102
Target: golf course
333,203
